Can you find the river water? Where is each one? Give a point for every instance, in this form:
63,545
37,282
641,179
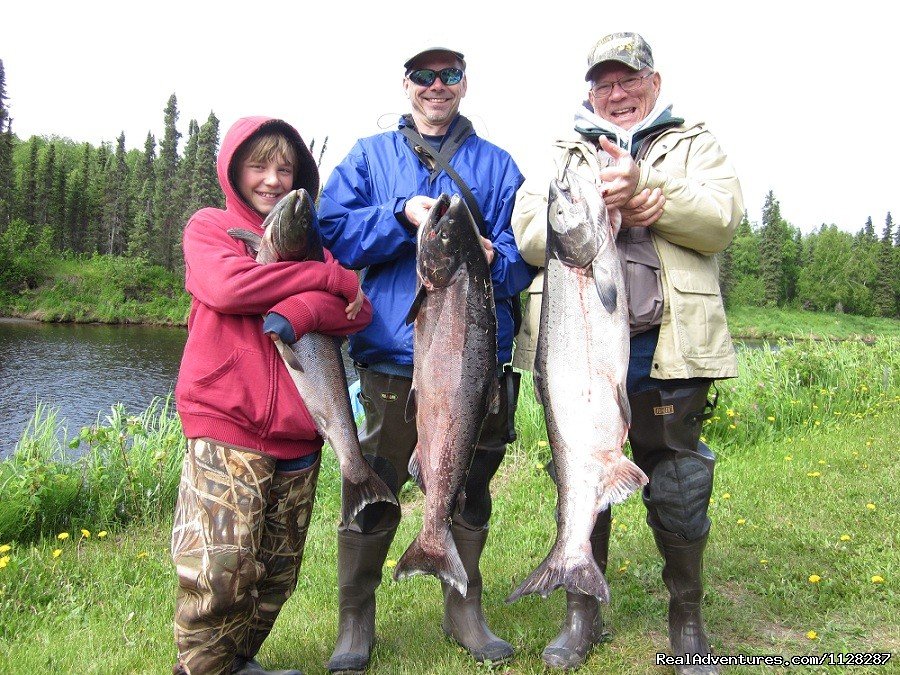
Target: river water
82,370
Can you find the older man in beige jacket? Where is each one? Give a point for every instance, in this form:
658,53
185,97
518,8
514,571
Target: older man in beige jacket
680,202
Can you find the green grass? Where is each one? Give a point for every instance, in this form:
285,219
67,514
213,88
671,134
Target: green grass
792,499
102,289
773,323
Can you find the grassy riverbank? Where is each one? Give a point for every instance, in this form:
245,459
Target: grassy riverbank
100,289
802,559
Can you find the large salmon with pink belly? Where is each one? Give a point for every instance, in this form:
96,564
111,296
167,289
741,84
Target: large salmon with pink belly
579,374
454,378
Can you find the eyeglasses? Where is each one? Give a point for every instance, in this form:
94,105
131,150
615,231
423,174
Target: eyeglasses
425,77
628,84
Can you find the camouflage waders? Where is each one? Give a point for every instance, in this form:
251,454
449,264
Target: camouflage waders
237,543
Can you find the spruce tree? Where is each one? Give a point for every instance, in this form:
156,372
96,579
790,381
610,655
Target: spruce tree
45,187
869,231
186,175
205,190
6,150
144,185
886,293
771,250
30,182
115,202
166,209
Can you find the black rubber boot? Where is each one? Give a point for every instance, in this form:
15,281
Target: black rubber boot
360,561
463,618
682,574
583,625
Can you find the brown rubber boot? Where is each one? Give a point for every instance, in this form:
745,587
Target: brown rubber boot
360,561
583,625
463,618
682,574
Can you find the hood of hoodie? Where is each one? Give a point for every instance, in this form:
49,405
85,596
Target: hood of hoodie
588,123
236,136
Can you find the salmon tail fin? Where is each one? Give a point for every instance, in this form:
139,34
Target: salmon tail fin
447,567
356,496
625,478
579,576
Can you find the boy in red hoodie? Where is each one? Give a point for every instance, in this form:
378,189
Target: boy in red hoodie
252,461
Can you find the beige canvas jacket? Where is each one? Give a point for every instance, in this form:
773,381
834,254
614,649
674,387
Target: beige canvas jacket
703,207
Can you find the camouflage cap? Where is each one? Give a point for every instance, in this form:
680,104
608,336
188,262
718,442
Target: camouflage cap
628,48
428,50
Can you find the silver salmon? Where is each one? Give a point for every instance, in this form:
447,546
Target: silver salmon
454,378
314,361
579,373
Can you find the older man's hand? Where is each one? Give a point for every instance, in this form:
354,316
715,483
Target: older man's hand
620,178
643,209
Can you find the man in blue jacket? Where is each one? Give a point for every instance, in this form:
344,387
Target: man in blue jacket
369,211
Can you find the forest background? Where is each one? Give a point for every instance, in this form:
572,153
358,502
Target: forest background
67,206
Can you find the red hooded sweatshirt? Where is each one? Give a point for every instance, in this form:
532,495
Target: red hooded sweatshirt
233,386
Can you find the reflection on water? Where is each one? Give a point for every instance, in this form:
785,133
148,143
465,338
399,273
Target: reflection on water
83,370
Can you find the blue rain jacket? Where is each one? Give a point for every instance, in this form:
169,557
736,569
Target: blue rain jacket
360,213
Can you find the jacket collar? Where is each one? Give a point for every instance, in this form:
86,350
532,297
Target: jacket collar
591,125
460,129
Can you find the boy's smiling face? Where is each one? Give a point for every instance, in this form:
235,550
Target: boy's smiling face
262,183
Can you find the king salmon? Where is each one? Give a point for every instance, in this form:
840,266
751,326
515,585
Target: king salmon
314,361
454,378
579,374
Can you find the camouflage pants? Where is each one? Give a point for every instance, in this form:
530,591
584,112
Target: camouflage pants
237,543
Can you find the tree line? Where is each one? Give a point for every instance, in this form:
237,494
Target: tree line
76,198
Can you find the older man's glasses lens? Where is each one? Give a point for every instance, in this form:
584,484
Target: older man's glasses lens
629,84
425,77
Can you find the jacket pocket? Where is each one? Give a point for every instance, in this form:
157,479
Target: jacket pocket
698,314
231,390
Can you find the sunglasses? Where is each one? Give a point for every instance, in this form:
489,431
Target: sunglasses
425,77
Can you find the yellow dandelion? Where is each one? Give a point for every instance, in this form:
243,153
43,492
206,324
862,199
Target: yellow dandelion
5,548
623,527
812,635
4,561
741,521
771,418
712,501
727,495
870,506
763,562
101,534
821,461
855,453
788,458
86,533
703,439
730,412
863,387
868,444
877,579
732,426
57,552
542,444
390,563
813,474
814,578
815,407
62,536
623,568
816,423
845,537
142,554
538,465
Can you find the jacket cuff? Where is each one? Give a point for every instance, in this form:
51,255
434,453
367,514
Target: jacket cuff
344,283
298,313
400,215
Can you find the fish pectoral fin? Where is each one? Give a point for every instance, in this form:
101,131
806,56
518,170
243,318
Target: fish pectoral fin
624,405
416,305
252,239
606,287
290,358
411,408
494,401
415,472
